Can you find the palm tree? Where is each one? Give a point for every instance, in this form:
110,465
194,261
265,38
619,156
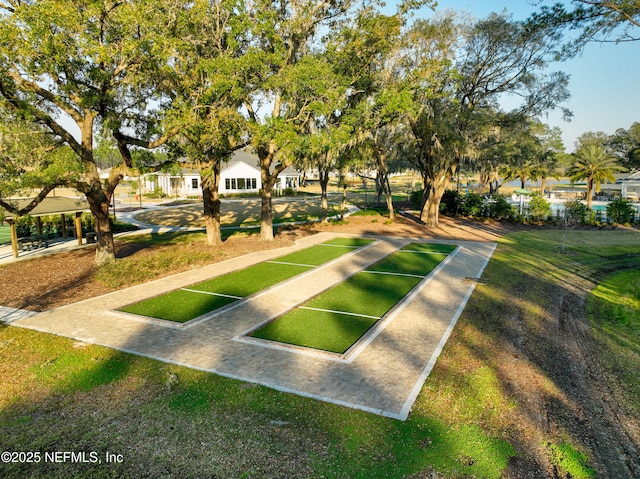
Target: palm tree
594,164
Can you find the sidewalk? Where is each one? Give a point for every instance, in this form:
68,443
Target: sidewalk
383,376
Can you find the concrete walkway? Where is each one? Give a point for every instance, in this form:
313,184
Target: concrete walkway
383,375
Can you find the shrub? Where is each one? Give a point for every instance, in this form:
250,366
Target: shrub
500,209
450,203
157,193
620,211
416,198
472,205
575,212
25,226
539,208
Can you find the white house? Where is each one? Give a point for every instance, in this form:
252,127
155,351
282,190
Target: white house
241,174
630,186
182,183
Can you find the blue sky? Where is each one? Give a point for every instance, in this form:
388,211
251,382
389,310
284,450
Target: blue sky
604,79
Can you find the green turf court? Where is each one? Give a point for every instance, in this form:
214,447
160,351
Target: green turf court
5,234
201,298
334,320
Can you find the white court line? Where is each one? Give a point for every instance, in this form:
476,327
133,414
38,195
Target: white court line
212,294
422,252
292,264
395,274
339,312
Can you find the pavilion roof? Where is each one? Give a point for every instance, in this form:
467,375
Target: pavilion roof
51,205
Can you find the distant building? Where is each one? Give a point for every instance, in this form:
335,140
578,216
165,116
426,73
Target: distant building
240,174
630,186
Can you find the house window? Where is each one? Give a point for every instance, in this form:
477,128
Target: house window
240,183
194,183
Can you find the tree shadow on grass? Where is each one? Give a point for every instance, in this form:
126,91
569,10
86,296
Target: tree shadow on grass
529,328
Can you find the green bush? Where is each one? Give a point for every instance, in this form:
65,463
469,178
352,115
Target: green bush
539,208
450,203
157,193
472,205
575,212
25,226
416,198
500,209
621,211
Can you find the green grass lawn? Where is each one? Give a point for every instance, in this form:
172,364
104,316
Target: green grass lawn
334,320
468,421
614,309
201,298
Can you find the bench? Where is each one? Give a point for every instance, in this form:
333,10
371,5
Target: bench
28,243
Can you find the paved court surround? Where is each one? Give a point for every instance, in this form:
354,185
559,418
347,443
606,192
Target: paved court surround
384,378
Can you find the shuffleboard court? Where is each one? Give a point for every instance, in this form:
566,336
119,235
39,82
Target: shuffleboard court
384,374
336,319
205,297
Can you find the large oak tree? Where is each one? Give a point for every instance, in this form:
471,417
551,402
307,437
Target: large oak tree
291,83
494,57
75,67
208,92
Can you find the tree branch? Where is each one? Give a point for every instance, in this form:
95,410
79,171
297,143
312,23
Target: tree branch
33,203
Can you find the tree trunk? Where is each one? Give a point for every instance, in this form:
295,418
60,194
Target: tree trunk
99,203
387,193
589,192
211,204
266,212
382,181
324,203
434,189
379,188
266,215
343,203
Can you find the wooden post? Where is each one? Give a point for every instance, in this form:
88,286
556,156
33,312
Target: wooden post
14,237
64,226
39,225
79,227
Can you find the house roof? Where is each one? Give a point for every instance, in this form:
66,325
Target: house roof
239,156
51,205
251,160
633,177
